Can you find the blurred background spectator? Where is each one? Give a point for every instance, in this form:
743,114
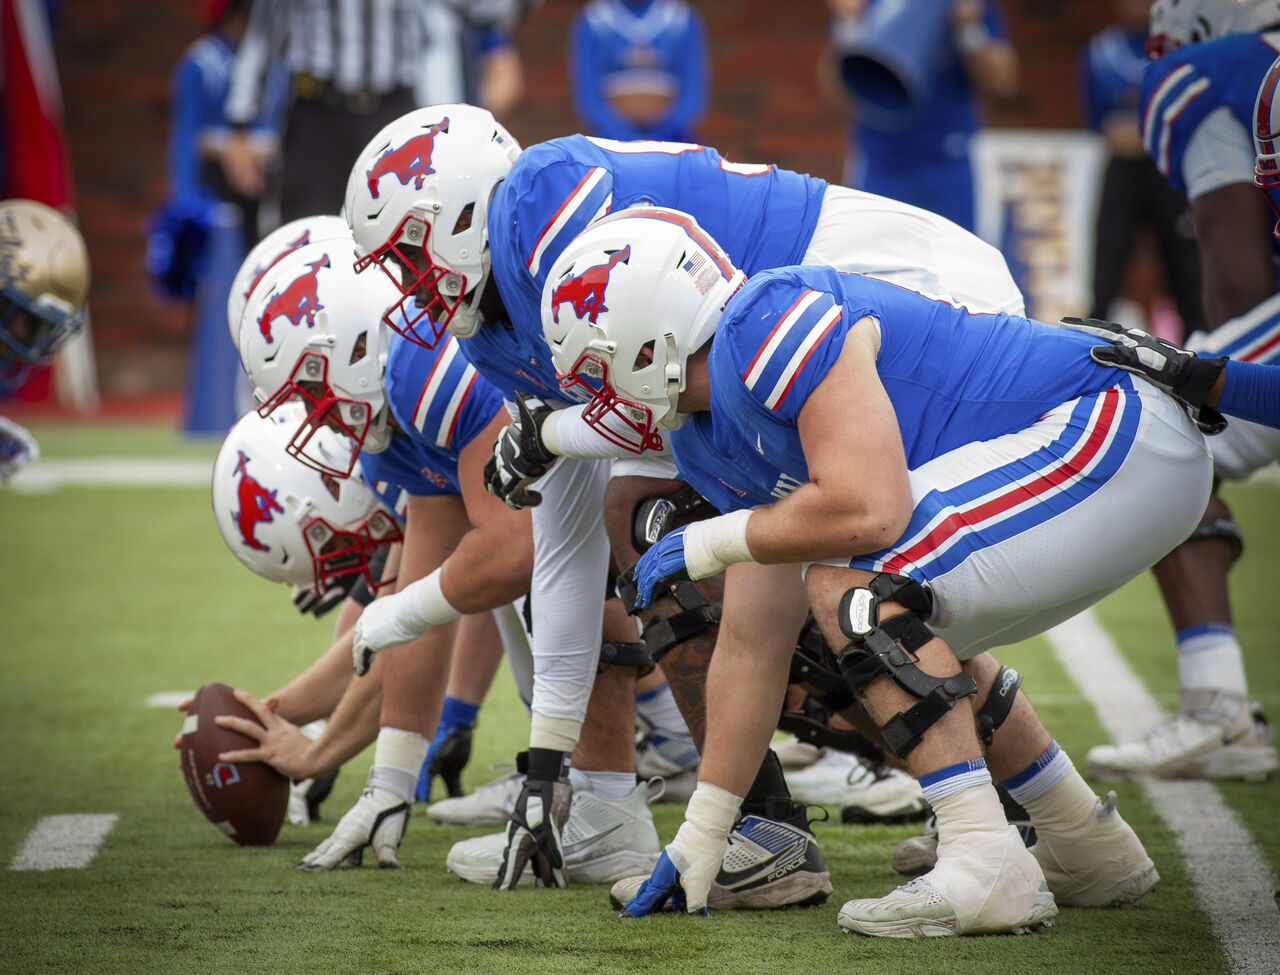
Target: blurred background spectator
1135,196
764,105
638,69
914,98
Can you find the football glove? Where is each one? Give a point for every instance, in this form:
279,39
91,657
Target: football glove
448,755
519,456
1180,373
695,551
662,564
537,823
386,622
378,819
306,600
682,878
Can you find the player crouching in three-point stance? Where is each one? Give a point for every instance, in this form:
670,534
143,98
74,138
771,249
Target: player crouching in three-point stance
950,482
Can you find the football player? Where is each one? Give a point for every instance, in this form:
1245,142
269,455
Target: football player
956,514
442,223
1198,122
44,283
422,419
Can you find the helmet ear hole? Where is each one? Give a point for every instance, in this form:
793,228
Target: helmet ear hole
463,223
359,348
644,357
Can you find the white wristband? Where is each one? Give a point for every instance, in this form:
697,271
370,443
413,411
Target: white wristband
713,545
397,757
712,810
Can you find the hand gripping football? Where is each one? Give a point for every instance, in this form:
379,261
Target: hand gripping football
246,800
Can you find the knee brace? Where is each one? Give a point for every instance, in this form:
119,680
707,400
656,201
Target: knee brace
653,517
1217,526
813,663
998,703
696,614
876,649
615,654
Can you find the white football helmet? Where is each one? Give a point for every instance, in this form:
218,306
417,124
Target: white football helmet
1178,22
1266,140
44,283
289,523
312,330
624,306
266,252
418,204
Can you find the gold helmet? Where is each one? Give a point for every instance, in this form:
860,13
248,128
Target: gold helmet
44,281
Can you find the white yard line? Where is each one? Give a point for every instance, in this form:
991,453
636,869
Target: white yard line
168,699
64,842
1233,881
46,475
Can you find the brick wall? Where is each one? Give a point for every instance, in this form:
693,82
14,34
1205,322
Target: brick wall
115,59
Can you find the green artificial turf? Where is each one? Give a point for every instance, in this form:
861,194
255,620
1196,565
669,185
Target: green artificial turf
108,597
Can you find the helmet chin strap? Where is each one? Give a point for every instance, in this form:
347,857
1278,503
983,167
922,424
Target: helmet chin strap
378,437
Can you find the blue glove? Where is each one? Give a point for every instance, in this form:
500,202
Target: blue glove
661,892
661,565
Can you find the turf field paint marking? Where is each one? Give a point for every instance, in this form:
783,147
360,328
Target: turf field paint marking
168,699
47,475
64,842
1232,880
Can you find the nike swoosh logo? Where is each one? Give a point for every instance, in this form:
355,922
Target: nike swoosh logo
727,878
571,848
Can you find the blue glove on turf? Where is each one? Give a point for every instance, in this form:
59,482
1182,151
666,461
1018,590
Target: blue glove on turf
661,892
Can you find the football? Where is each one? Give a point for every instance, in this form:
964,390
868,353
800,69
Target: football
246,800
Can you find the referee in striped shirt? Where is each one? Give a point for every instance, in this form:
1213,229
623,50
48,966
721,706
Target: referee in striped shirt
354,66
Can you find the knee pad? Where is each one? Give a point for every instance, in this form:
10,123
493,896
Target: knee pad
889,648
998,703
616,654
1217,526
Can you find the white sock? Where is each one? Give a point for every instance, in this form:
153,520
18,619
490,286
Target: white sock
611,785
1209,657
658,707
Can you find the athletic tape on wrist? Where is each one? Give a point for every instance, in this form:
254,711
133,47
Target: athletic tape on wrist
712,545
558,734
436,609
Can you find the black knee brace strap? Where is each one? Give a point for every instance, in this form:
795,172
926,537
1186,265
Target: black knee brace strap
809,724
889,648
614,654
697,615
653,517
1214,526
998,703
813,663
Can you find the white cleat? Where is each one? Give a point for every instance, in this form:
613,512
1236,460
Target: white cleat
1097,863
794,753
603,841
490,805
862,793
672,759
1215,735
985,882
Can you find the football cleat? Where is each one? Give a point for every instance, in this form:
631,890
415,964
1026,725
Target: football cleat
794,753
672,759
862,792
604,839
985,882
490,805
1099,862
767,864
1216,735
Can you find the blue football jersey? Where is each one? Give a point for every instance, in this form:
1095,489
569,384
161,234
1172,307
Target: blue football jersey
1181,89
763,216
392,495
441,403
952,377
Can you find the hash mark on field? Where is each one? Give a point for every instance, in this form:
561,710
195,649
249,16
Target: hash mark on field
46,475
64,842
1233,882
168,699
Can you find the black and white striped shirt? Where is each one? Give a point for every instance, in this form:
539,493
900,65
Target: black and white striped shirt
357,46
